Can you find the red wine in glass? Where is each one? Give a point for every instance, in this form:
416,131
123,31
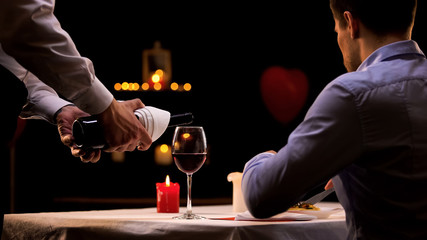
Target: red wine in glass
189,151
189,162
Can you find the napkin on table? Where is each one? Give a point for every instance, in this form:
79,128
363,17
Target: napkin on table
285,216
154,120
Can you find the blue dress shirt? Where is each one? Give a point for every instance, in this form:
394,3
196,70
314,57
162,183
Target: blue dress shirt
367,128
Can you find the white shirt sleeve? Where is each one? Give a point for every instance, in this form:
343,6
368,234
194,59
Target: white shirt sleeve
42,100
31,34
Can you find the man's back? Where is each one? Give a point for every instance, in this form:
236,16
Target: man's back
384,191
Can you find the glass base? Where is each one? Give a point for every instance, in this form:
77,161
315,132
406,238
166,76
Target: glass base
189,216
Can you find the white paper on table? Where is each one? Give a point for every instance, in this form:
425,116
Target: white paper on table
286,216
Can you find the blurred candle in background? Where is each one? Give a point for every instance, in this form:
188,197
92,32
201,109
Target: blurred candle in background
157,67
163,155
118,157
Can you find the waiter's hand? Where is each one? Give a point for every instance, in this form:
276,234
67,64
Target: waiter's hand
64,120
122,130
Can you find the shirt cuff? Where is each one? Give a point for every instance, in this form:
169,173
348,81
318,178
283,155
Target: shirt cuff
95,100
44,109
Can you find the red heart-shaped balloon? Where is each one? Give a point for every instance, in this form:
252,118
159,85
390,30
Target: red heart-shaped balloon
284,92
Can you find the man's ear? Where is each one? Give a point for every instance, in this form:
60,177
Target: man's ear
352,24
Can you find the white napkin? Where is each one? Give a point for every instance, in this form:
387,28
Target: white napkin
154,120
286,216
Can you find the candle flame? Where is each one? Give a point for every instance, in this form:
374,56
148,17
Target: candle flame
157,76
164,148
187,87
145,86
167,181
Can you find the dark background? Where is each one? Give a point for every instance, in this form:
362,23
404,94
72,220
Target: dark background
222,50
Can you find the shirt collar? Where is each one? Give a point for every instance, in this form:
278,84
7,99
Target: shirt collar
391,50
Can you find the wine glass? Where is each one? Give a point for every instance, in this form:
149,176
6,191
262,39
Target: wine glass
189,153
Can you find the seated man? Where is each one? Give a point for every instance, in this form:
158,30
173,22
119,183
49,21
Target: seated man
367,129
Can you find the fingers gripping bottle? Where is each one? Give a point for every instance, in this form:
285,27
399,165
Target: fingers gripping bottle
88,133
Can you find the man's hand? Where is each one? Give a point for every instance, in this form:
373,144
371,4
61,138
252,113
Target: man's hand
122,130
271,151
329,185
65,121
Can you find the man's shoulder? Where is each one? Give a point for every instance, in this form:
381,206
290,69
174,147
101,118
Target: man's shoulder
381,74
354,82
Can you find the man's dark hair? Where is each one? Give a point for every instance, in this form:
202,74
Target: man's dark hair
380,16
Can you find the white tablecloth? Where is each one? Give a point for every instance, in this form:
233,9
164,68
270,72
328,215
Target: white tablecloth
148,224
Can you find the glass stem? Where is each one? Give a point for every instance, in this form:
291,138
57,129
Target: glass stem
189,208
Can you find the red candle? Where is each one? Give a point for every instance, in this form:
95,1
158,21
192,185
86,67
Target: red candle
167,197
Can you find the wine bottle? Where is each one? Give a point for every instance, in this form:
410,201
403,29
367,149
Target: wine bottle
88,133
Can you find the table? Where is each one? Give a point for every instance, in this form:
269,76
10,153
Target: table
146,223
